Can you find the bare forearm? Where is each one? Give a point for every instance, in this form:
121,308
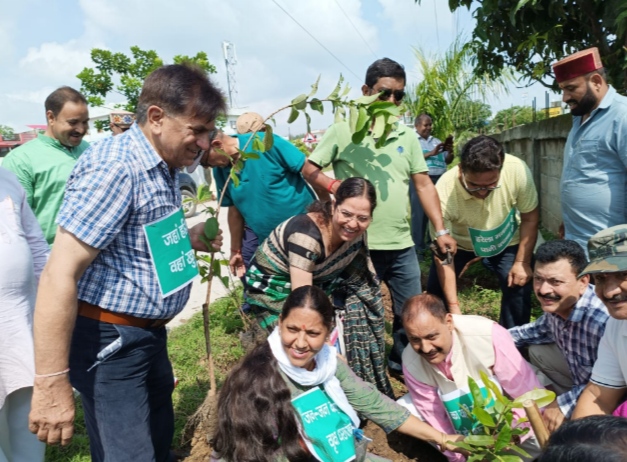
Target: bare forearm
421,430
430,202
319,181
236,228
448,282
597,400
55,315
528,236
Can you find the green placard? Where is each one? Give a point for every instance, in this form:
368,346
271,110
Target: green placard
459,405
171,252
328,428
437,161
487,243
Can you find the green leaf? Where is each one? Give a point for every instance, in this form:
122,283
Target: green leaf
211,228
379,126
293,115
509,458
492,387
362,119
249,155
339,115
346,91
258,144
225,281
268,139
316,105
483,416
512,13
216,267
239,164
460,444
477,396
314,87
359,136
300,102
504,438
308,120
205,241
336,91
519,450
234,178
479,440
541,396
367,99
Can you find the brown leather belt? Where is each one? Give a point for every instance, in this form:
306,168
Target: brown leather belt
90,311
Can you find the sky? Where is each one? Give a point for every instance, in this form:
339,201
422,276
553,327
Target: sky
44,44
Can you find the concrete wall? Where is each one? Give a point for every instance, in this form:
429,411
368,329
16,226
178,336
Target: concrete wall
541,146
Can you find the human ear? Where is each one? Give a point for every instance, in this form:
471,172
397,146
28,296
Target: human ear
155,116
365,90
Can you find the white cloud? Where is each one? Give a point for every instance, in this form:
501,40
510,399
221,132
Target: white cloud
56,61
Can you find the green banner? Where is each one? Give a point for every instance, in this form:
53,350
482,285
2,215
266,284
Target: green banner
437,161
171,252
328,428
459,405
491,242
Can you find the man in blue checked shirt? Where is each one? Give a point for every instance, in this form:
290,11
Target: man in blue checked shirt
563,342
121,268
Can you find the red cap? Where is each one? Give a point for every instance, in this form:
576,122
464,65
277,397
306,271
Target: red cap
581,63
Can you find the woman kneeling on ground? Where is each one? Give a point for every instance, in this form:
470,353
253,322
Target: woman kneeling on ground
290,399
326,247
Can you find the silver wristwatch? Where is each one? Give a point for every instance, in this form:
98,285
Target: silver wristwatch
442,232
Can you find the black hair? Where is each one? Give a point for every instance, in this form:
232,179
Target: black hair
419,118
180,89
349,188
423,303
57,99
311,297
482,154
256,420
384,67
552,251
594,438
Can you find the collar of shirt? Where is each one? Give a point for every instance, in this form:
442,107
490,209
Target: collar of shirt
52,142
146,153
582,304
426,139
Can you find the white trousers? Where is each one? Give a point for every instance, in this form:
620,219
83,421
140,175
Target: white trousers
17,443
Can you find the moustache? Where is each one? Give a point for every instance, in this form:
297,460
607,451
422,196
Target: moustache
550,297
615,298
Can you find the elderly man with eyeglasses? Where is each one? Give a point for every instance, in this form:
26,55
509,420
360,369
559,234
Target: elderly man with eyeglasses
490,205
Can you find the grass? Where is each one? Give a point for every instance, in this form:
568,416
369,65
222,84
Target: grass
186,346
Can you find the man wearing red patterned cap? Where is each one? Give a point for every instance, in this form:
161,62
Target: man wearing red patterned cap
594,178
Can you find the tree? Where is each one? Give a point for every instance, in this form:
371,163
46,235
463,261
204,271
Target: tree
512,117
452,93
117,73
529,35
6,131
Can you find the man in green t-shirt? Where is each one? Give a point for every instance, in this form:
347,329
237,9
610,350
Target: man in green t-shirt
390,168
44,164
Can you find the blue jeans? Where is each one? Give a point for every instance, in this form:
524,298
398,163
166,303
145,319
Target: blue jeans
515,302
399,269
419,219
249,247
127,394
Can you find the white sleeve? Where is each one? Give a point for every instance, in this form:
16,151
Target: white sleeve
607,371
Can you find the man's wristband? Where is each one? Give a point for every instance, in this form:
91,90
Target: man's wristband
54,374
236,251
330,185
442,232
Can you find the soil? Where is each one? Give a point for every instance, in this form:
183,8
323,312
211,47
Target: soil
395,446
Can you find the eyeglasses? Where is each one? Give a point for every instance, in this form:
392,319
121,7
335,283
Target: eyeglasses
484,188
386,93
360,218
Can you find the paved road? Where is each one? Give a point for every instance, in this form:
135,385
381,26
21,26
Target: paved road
199,291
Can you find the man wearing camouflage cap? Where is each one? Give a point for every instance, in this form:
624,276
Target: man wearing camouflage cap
608,264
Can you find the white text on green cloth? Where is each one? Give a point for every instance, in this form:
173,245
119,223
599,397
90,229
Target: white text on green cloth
491,242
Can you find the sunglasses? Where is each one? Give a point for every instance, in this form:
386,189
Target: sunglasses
385,94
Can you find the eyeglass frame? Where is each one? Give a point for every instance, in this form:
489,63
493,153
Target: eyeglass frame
483,188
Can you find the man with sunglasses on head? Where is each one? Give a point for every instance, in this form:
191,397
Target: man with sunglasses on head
121,268
490,204
391,169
